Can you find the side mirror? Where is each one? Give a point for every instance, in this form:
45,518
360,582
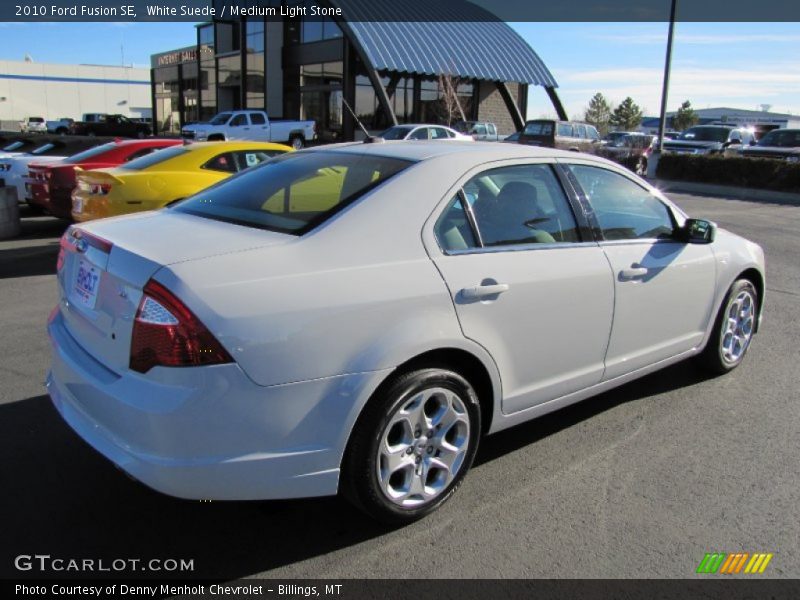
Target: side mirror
697,231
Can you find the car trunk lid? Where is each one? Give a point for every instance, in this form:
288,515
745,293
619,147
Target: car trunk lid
104,266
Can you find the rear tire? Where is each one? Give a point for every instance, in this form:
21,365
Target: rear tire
297,142
733,329
412,446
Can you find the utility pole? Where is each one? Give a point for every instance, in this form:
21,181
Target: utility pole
667,67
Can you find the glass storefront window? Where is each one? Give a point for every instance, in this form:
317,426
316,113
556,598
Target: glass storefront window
254,36
167,95
321,98
227,37
229,83
318,30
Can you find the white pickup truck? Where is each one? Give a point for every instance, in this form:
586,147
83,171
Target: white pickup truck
252,125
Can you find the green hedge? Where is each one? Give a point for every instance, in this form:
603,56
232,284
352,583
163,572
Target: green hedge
761,173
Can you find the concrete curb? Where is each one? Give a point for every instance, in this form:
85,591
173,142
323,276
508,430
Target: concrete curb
727,191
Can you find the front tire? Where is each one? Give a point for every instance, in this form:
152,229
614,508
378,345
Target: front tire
733,329
412,446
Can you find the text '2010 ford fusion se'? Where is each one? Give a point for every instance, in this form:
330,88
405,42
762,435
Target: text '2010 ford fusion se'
354,318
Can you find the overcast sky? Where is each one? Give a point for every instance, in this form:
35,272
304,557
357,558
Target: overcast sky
741,65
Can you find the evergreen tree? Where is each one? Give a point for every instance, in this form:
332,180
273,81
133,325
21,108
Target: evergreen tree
627,116
685,117
598,113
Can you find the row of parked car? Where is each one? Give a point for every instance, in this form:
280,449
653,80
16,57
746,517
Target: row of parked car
91,124
123,176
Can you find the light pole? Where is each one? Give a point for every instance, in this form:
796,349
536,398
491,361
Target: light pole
662,122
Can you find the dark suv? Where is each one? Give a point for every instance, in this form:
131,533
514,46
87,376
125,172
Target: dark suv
565,135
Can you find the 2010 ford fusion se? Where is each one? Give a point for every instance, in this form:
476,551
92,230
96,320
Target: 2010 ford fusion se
352,319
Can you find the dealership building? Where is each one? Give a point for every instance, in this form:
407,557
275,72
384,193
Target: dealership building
52,91
388,72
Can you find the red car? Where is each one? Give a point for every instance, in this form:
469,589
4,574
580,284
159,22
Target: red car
49,186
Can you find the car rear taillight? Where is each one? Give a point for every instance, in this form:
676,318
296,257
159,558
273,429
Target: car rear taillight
166,333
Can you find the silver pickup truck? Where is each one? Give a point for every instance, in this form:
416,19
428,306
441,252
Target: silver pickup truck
252,125
481,131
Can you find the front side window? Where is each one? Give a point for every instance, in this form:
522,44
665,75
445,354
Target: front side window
238,121
520,204
419,134
222,162
293,193
624,209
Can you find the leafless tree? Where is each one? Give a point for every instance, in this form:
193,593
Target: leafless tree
449,101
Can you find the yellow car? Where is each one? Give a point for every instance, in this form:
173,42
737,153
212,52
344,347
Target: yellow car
155,180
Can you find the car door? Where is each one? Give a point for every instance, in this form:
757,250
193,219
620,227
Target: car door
525,284
239,127
259,130
664,288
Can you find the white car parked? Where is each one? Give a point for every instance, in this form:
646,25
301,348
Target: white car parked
14,168
354,318
424,132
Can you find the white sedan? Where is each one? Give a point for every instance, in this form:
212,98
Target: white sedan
353,319
423,132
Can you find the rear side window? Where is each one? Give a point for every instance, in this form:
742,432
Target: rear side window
257,119
624,209
293,193
250,158
221,162
565,130
519,204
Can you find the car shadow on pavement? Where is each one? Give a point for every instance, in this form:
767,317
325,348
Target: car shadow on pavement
28,261
681,375
63,499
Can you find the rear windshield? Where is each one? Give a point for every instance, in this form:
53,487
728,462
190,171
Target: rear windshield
87,154
538,128
43,149
293,193
396,133
154,158
36,120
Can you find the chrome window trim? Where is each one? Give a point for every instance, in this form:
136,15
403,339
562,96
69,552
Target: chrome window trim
519,248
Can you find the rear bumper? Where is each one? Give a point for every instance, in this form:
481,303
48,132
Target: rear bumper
208,432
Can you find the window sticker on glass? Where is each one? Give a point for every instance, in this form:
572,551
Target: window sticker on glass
251,159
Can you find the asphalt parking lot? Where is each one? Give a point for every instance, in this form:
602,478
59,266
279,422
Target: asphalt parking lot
638,482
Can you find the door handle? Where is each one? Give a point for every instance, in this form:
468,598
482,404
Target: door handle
633,272
482,291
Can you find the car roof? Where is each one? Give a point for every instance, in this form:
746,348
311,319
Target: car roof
420,150
211,147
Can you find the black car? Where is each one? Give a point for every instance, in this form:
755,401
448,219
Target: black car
778,143
111,125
